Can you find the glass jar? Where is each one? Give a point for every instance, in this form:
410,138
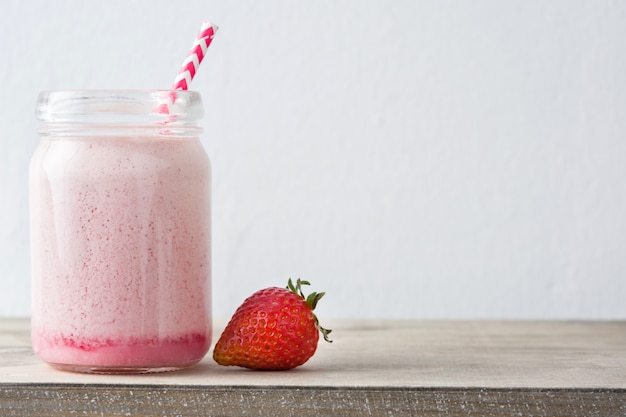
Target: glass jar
120,232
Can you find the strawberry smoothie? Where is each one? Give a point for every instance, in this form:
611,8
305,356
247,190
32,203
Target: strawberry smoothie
120,237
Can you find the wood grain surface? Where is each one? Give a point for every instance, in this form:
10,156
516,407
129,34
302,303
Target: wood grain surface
373,368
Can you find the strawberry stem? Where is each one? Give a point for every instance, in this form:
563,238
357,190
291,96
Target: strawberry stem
311,300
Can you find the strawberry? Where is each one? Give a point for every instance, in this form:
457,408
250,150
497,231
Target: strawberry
274,329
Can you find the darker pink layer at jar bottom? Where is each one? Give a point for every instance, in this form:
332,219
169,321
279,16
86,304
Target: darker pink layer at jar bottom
76,353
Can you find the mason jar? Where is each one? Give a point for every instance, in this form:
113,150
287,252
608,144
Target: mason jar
120,232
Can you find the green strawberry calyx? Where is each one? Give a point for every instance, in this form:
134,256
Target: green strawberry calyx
311,300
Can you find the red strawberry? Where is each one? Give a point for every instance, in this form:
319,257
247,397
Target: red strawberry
274,329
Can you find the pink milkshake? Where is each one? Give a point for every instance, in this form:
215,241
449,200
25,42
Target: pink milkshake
120,233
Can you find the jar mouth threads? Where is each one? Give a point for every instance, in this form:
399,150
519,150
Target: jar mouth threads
127,112
89,106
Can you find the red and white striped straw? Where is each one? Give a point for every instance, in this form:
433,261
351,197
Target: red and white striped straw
195,56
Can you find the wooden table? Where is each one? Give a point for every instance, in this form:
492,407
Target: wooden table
373,368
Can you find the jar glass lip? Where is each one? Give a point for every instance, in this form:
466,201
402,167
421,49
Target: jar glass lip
119,106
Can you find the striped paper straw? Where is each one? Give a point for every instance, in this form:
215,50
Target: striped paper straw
195,56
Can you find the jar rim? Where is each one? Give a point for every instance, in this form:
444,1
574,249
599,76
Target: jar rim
119,106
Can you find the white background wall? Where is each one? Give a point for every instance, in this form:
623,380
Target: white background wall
415,159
